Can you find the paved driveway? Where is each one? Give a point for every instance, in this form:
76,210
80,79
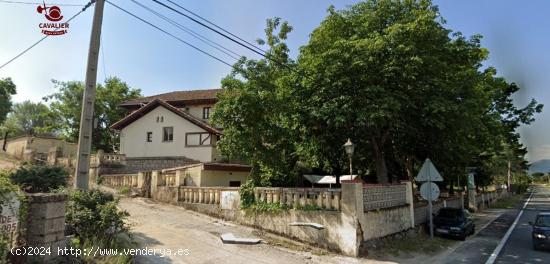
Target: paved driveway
162,226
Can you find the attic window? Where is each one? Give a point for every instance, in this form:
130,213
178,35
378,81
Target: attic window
206,112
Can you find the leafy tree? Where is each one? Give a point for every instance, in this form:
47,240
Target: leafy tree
391,77
29,118
385,71
254,111
7,89
66,104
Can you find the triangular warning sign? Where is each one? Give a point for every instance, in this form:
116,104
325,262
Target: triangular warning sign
428,172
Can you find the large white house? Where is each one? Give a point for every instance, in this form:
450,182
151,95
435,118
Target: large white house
170,125
173,130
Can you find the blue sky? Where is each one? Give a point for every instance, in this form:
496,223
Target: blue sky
516,34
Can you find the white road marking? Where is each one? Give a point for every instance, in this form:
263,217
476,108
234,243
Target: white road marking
497,250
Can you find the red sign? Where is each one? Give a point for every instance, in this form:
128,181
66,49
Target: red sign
52,13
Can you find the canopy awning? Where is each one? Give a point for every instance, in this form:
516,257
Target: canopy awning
328,179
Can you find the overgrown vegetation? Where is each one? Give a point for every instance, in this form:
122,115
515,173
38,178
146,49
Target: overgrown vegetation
511,202
39,178
390,76
7,189
268,207
124,190
246,193
96,221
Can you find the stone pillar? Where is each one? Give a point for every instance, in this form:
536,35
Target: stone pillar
352,209
472,199
328,200
100,153
46,225
155,175
180,178
93,176
140,179
410,200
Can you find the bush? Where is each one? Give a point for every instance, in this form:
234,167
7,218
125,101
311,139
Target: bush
246,193
39,178
95,218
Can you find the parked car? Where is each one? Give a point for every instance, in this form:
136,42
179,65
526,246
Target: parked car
541,230
453,222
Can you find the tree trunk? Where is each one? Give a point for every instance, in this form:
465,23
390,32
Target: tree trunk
381,169
409,168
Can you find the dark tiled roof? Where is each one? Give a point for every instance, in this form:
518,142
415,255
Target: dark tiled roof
186,97
154,104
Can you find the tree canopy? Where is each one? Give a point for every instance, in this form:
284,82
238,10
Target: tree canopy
386,74
28,118
66,106
7,89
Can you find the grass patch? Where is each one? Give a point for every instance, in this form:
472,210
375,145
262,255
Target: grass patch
124,190
415,244
511,202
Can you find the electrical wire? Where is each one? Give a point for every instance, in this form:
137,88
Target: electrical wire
213,29
168,33
46,36
203,39
213,24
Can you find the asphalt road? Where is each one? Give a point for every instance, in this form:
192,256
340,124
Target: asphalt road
519,247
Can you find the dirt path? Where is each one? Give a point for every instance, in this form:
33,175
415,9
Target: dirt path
162,226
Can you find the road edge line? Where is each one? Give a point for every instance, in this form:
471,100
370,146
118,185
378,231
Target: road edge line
503,241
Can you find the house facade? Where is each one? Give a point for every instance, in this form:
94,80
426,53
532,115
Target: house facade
173,130
170,125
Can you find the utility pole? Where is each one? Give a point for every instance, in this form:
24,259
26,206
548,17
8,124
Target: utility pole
88,98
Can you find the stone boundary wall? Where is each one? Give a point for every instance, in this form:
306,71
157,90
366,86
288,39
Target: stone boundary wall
482,200
346,225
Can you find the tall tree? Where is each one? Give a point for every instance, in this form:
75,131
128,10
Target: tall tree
30,119
254,111
66,104
7,89
374,66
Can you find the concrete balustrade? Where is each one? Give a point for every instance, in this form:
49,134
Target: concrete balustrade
327,199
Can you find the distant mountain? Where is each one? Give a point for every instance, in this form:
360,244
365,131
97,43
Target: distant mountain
540,166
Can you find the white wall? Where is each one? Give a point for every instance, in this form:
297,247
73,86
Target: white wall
133,137
196,111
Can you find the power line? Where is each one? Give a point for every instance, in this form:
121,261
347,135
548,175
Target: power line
46,36
36,3
203,39
213,29
263,54
213,24
168,33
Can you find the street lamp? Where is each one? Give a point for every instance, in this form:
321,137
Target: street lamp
349,147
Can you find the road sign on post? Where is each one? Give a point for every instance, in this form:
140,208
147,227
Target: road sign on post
429,190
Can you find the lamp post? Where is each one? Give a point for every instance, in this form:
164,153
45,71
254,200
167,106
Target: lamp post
349,147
